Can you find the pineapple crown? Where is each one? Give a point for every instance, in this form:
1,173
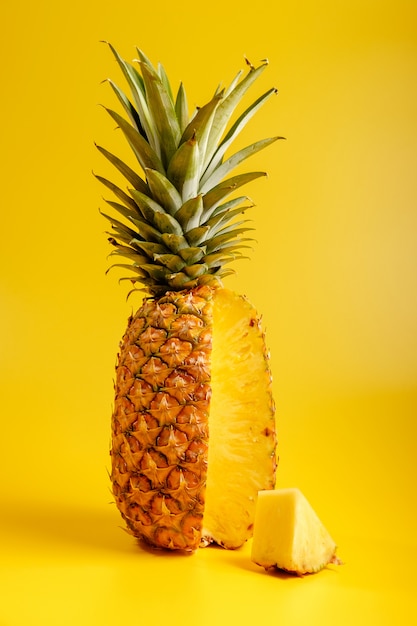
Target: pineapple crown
180,227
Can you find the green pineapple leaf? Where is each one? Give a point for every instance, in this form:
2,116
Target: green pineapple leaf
196,236
122,209
189,215
128,107
123,231
129,253
200,125
214,197
184,169
119,193
218,222
163,191
192,255
197,270
226,207
233,84
146,156
167,224
226,108
172,261
148,207
162,110
220,259
131,267
136,84
174,242
234,132
134,179
179,281
150,248
223,170
181,108
165,81
145,230
158,273
230,250
216,243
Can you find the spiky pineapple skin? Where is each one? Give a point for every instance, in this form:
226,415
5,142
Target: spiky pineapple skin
160,419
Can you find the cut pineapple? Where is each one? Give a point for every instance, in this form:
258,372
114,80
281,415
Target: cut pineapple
193,425
288,534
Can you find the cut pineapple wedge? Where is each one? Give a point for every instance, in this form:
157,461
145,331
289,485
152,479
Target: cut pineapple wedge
288,534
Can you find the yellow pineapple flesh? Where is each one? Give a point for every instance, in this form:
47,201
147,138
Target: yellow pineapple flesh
241,458
289,535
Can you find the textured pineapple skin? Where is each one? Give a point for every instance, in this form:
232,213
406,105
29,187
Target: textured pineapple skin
160,430
160,419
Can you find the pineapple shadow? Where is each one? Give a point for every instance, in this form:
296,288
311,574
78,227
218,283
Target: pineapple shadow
77,527
69,527
241,559
272,572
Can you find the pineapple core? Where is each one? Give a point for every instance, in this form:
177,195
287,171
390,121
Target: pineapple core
288,534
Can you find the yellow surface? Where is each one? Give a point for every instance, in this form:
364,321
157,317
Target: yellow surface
336,229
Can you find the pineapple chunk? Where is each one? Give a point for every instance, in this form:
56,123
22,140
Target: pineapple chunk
288,534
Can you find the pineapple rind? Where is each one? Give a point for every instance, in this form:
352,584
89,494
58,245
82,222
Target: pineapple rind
160,419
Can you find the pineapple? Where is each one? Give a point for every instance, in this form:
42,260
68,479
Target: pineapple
193,426
289,535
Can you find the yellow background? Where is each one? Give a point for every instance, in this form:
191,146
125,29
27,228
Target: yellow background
333,273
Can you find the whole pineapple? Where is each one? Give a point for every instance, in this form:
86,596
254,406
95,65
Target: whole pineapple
193,429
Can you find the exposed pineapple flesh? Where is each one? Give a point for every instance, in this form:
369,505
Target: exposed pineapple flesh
289,535
241,458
